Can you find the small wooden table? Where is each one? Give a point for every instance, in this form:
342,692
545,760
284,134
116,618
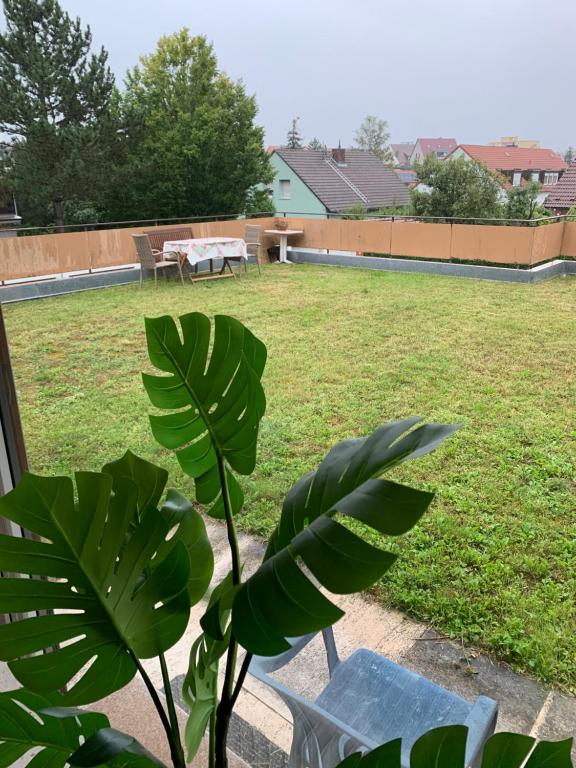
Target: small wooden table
283,235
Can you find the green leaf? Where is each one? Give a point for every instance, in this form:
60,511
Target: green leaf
117,587
446,747
114,749
551,754
24,726
200,688
178,513
148,478
506,750
215,398
280,600
441,747
200,684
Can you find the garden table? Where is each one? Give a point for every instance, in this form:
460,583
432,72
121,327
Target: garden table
283,235
200,249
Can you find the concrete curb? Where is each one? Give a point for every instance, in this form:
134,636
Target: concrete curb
45,288
537,274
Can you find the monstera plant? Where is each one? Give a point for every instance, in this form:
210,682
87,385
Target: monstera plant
116,563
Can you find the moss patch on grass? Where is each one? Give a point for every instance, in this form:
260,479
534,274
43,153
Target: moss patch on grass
494,561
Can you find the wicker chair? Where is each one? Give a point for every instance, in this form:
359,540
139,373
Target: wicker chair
252,236
147,258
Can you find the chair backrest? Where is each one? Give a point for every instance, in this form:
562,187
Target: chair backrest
144,251
253,238
158,237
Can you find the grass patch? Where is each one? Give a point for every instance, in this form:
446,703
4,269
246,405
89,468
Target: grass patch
494,562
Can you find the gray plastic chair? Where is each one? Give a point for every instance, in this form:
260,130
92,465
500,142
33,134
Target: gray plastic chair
370,700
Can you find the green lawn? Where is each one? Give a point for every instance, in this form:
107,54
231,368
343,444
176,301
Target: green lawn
494,562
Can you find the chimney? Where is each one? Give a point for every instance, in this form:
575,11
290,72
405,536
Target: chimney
339,155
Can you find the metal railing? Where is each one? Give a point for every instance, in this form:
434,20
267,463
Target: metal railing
342,215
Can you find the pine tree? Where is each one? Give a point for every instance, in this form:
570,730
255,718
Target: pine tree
54,102
294,139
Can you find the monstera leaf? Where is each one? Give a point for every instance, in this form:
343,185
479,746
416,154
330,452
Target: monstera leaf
215,398
446,748
178,512
118,580
280,600
25,724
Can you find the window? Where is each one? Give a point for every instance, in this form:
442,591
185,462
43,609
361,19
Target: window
550,179
535,175
517,178
285,189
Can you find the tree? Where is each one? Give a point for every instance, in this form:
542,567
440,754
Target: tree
54,101
373,136
316,144
191,143
523,202
293,138
456,188
570,155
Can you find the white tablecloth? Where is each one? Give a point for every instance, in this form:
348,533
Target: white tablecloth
205,248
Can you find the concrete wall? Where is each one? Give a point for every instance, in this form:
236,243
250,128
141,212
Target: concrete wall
302,199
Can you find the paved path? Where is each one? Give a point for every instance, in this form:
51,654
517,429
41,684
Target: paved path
264,724
525,705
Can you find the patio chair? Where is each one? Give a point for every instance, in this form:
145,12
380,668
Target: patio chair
253,237
370,700
147,256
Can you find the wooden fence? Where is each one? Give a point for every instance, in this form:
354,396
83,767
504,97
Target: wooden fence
40,255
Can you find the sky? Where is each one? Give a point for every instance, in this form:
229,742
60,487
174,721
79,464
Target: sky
473,70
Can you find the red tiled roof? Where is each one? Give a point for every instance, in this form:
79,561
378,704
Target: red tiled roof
431,145
564,193
515,158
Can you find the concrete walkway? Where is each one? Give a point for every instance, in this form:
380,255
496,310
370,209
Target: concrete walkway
261,731
525,705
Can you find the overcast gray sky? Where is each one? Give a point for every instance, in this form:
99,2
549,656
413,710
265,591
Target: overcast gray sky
471,69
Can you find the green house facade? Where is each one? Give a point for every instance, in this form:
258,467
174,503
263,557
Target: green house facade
290,194
323,182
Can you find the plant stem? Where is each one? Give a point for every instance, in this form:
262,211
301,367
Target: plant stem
241,677
230,526
172,710
224,709
212,740
160,709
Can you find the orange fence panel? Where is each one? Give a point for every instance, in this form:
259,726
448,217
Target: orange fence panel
568,247
419,240
43,255
547,242
500,245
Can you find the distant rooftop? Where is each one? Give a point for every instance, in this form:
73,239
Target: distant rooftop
564,193
432,145
356,178
515,158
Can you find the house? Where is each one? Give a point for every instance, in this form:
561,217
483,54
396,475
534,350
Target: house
402,153
563,197
318,182
439,147
9,219
514,141
518,165
407,175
